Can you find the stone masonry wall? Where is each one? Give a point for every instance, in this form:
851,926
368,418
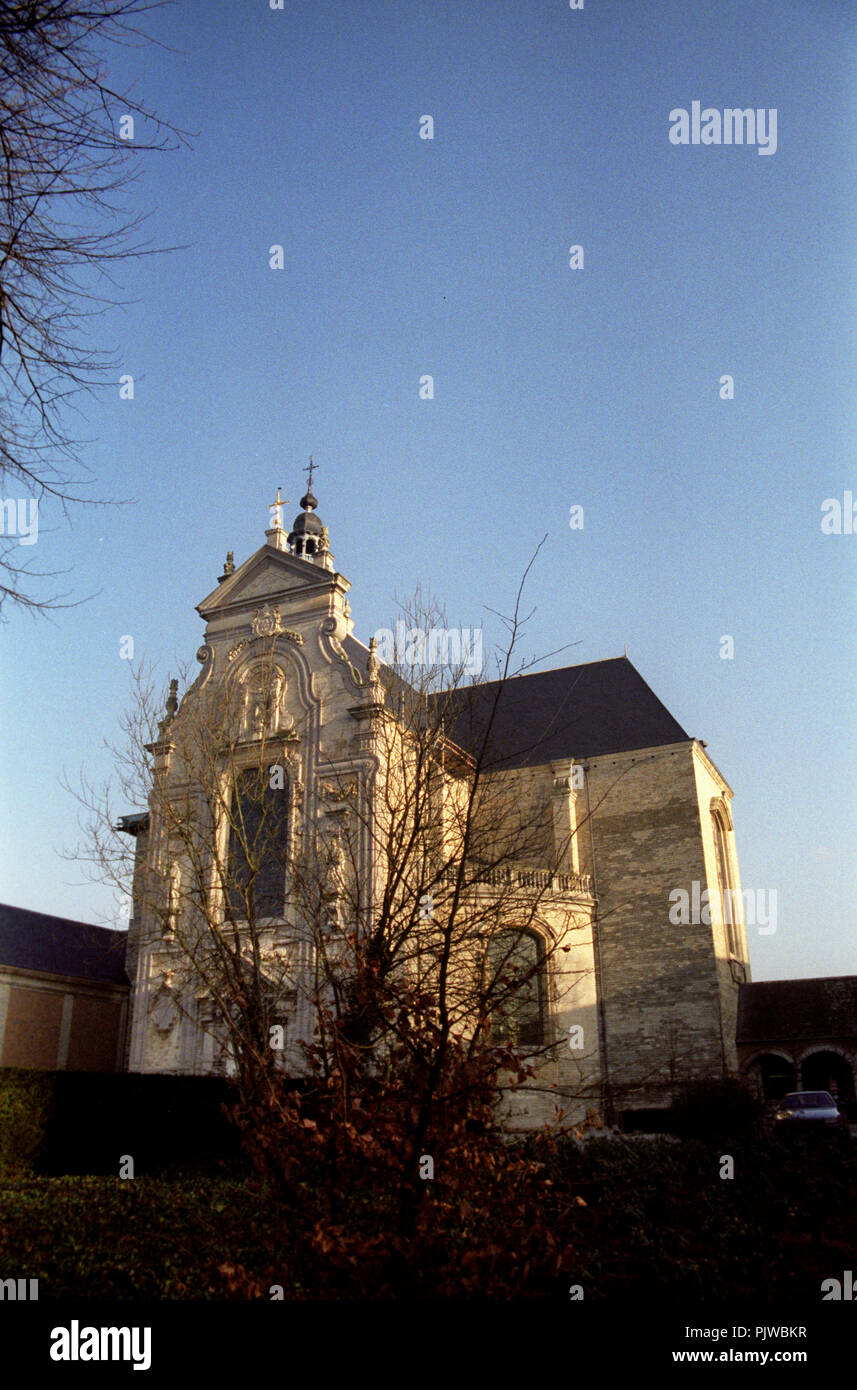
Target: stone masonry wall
660,980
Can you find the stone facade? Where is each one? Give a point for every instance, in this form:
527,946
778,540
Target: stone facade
670,993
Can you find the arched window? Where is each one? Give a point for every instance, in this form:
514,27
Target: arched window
258,845
516,987
731,910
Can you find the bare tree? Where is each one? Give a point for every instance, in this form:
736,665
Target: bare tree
69,144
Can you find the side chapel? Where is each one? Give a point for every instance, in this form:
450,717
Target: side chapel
632,809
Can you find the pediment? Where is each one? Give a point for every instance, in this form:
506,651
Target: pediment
268,575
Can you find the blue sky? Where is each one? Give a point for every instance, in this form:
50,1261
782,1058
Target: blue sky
553,387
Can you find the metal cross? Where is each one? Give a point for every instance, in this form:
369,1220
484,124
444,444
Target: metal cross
275,508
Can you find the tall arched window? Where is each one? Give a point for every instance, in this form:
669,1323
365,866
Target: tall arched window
731,910
516,987
258,844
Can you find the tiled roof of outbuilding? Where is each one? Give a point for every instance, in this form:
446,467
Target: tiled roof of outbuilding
57,946
776,1010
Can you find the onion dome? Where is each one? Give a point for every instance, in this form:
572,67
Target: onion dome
308,536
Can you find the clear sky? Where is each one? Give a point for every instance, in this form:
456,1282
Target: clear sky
597,387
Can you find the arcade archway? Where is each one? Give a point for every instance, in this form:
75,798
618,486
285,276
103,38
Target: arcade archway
828,1071
772,1074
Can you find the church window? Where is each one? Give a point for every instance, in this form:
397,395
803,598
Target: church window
258,846
724,875
515,979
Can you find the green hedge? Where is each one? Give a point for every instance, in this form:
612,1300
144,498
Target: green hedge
153,1238
26,1111
54,1123
657,1220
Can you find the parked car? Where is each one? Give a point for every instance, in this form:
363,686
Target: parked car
808,1108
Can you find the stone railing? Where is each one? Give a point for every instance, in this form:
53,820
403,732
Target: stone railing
522,876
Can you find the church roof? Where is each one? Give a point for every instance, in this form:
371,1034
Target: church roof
774,1010
57,946
573,711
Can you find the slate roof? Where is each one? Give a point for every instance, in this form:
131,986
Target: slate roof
573,711
775,1010
57,946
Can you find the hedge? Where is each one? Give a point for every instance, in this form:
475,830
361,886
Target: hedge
65,1122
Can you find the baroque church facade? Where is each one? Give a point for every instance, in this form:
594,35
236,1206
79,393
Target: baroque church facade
626,813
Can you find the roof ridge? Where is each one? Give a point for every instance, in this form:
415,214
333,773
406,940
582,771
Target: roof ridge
577,666
52,917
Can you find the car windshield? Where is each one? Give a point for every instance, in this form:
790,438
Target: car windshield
807,1100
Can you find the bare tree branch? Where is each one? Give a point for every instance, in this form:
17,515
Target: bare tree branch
69,146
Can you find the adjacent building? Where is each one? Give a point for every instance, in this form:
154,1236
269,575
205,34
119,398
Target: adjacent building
800,1035
63,993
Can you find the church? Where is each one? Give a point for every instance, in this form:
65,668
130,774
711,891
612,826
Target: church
568,810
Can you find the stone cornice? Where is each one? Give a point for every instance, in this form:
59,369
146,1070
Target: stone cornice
700,753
